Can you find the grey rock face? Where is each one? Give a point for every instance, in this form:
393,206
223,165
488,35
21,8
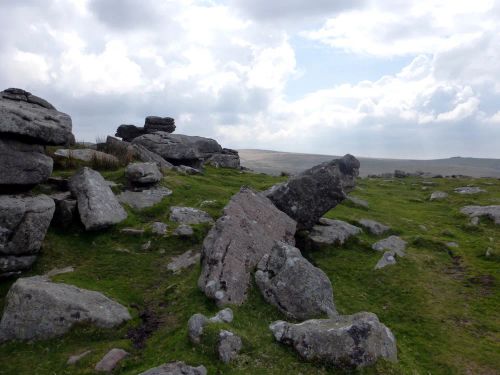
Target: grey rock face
374,226
229,346
109,362
224,161
292,284
86,155
492,212
159,124
393,244
469,190
351,341
388,259
189,215
23,164
247,231
183,261
183,230
145,198
143,154
38,309
143,173
97,205
332,232
129,132
438,195
309,195
178,148
176,368
13,265
25,116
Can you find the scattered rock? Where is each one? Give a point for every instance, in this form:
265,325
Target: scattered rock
38,309
23,164
332,232
223,316
145,198
28,117
143,173
155,124
189,215
87,155
229,346
292,284
197,323
358,202
183,261
183,230
247,231
351,341
469,190
438,195
387,259
146,246
394,244
97,205
159,228
309,195
109,362
74,359
373,226
176,368
491,212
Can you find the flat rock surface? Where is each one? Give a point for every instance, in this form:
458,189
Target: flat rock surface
145,198
373,226
393,244
298,289
38,309
97,205
189,215
247,231
309,195
332,232
469,190
492,212
438,195
347,341
176,368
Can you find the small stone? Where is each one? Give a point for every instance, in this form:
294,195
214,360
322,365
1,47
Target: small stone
146,246
183,230
196,324
394,244
469,190
183,261
387,259
223,316
228,346
189,215
159,228
438,195
109,362
332,232
489,252
74,359
374,226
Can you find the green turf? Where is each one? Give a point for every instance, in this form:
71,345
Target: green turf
443,306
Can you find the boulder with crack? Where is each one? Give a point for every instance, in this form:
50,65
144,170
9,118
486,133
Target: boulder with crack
309,195
246,232
298,289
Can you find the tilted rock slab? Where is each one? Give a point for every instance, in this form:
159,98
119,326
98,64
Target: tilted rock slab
298,289
349,341
492,212
26,116
23,164
37,309
332,232
176,368
246,232
97,205
309,195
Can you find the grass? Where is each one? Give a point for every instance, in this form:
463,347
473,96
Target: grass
441,304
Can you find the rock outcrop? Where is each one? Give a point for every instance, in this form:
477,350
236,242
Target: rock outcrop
246,232
298,289
129,132
97,205
155,124
332,232
38,309
348,341
176,368
309,195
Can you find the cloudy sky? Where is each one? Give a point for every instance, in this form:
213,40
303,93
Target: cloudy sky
391,78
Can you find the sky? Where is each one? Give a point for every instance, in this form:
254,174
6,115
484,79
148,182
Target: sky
393,78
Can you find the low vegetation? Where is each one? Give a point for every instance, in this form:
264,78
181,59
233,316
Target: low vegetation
441,303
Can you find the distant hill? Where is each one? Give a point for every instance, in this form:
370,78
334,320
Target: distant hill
275,162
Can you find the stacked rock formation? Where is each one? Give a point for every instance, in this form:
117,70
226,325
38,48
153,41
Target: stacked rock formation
152,124
27,124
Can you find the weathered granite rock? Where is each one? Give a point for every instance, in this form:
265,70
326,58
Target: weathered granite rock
247,231
183,230
348,341
469,190
189,215
109,362
12,265
309,195
159,228
23,164
38,309
32,119
97,205
438,195
143,173
229,346
332,232
224,161
388,259
223,316
292,284
491,212
155,124
145,198
66,209
197,323
86,155
179,149
144,155
185,260
394,244
176,368
129,132
373,226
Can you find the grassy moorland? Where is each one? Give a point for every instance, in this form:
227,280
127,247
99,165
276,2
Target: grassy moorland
442,304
